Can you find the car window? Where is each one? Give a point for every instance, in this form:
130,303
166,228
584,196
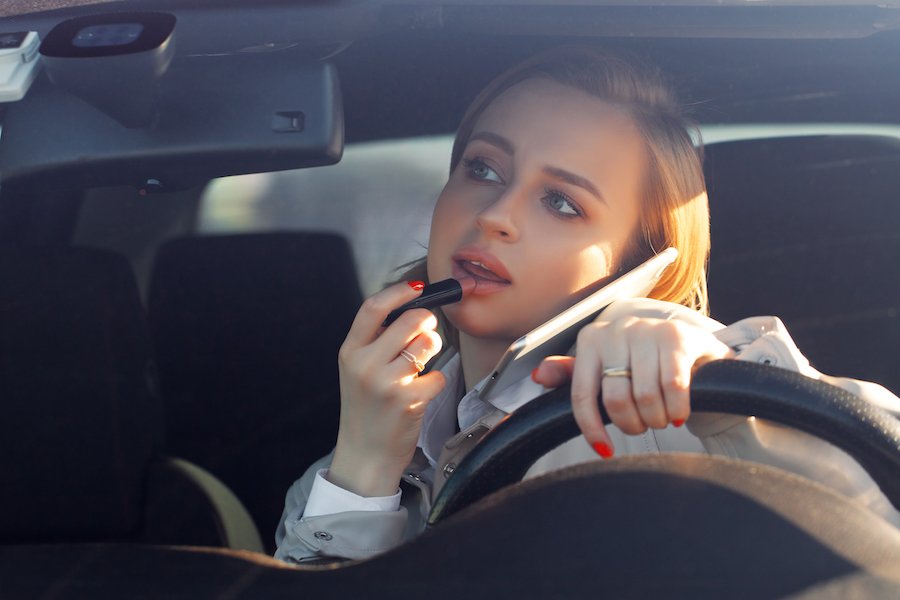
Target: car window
380,197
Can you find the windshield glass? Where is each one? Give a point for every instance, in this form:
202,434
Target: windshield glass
184,225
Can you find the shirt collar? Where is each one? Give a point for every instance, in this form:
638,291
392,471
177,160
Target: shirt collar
454,409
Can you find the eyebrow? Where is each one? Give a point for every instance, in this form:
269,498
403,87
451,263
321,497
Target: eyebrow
571,178
494,140
576,180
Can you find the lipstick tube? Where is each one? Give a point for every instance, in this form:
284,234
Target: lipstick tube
436,294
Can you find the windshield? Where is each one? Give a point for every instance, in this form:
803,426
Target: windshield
189,231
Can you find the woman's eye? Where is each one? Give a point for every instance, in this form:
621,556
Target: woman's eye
479,170
562,204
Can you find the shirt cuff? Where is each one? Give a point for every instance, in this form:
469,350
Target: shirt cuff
325,498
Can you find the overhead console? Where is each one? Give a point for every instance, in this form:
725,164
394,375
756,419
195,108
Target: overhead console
116,105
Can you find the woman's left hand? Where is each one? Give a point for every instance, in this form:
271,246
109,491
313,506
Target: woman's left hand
643,368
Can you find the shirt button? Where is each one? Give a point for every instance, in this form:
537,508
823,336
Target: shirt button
448,470
323,535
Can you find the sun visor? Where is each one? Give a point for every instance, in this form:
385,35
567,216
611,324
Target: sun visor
96,118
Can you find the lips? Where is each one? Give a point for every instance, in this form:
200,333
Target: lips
486,269
480,271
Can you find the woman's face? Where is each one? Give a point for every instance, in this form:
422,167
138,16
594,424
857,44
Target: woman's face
541,208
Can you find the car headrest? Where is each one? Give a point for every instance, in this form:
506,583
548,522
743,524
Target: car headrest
79,419
271,309
807,229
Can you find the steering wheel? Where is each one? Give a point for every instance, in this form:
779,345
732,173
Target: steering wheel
867,433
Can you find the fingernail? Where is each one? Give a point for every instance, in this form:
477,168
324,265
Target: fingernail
416,285
603,450
678,422
534,374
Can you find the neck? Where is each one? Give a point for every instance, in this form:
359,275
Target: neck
478,356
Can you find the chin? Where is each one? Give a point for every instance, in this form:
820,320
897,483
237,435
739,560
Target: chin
483,326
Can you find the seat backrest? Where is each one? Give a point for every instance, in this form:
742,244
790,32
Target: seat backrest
80,423
82,438
246,330
808,229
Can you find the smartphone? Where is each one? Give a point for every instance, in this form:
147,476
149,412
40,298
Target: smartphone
558,334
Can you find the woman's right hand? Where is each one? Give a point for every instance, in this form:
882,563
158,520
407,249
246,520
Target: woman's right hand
383,398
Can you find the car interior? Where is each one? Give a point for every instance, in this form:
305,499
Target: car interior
163,382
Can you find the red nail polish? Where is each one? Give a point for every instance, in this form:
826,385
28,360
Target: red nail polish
416,285
603,450
534,374
678,422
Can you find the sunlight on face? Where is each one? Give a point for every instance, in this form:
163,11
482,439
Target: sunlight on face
541,208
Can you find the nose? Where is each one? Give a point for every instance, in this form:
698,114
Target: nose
498,219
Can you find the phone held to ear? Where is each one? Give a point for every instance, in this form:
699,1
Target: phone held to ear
558,334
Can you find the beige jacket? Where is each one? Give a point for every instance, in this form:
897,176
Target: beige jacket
361,534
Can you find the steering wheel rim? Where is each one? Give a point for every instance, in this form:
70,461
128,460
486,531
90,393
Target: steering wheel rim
866,432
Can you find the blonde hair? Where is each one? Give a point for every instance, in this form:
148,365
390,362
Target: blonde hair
675,209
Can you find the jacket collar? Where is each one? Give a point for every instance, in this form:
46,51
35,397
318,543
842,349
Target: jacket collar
454,408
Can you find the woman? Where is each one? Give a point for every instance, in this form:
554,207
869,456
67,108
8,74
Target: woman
566,171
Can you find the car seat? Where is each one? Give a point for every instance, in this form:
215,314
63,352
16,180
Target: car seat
246,331
82,443
808,228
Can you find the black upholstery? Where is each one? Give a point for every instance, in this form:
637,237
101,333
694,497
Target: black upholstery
809,229
82,431
79,421
246,330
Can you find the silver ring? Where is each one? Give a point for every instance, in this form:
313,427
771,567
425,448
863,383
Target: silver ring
413,360
617,372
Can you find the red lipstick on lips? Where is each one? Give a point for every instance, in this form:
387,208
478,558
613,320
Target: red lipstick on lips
436,294
489,273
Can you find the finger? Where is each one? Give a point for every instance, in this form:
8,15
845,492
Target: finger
675,379
585,389
375,309
617,396
420,350
423,390
677,364
645,382
418,392
554,371
714,350
431,344
403,331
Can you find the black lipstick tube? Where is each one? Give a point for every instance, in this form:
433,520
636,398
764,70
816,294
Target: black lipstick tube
436,294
